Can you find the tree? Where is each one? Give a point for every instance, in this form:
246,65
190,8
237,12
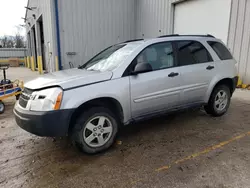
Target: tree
19,41
7,42
16,41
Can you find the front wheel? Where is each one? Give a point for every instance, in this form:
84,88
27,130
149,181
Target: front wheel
95,130
219,101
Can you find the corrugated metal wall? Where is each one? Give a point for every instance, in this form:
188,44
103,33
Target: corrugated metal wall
154,18
88,26
239,37
6,53
46,9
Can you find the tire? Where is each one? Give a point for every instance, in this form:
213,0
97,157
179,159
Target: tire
2,107
94,126
219,101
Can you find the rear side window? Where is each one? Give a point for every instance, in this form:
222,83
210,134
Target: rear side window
220,50
192,52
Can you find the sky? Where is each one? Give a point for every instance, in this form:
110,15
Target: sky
11,12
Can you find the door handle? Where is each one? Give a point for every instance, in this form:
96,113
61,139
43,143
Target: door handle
173,74
210,67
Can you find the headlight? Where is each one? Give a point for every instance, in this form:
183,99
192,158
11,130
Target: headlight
46,100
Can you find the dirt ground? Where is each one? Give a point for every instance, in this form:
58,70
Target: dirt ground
187,149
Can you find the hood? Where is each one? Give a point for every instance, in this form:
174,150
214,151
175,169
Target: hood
68,79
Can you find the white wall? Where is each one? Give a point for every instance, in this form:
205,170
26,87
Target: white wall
203,17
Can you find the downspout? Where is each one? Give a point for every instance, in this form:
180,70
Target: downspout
58,36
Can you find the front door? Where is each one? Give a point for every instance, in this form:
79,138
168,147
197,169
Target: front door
159,89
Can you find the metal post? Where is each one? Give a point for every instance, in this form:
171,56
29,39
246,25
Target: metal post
39,48
4,75
33,62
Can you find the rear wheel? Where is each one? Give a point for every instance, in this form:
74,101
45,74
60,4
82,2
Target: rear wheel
219,101
95,130
2,107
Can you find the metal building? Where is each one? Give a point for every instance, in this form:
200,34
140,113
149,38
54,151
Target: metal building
64,34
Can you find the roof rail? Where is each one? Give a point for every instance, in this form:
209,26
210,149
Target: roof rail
134,40
175,35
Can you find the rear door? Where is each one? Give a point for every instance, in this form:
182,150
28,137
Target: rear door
197,70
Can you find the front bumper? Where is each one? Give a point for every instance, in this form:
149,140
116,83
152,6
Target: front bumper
47,124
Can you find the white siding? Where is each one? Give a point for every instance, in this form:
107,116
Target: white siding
88,26
46,9
194,17
239,37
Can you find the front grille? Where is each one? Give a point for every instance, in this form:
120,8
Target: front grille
25,97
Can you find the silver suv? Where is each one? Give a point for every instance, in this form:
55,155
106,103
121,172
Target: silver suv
127,82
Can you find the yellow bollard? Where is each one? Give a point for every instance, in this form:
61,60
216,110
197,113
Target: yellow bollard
28,62
32,63
57,65
40,64
239,84
25,62
244,86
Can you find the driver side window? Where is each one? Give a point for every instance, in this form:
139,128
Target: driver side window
159,56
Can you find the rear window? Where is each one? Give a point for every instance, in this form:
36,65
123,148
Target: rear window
192,52
220,50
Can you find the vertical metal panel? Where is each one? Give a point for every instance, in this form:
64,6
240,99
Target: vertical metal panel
239,37
244,49
232,24
239,30
88,26
154,18
12,53
46,9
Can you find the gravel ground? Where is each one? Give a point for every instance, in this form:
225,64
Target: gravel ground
30,161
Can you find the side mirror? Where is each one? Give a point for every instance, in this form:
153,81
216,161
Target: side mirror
142,68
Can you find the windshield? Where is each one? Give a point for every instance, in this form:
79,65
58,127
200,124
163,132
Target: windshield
110,58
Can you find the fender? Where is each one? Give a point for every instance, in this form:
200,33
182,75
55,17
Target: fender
213,83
